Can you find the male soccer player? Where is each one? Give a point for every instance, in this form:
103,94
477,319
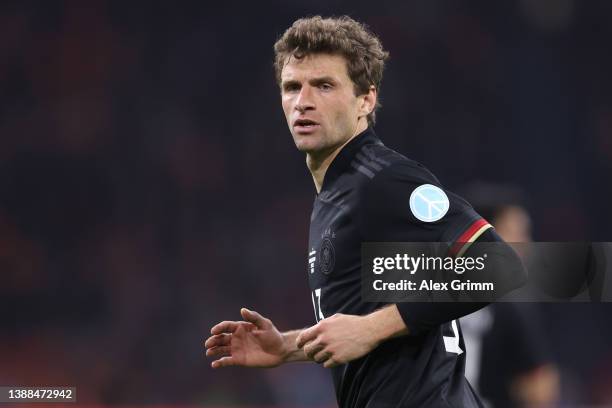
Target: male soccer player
381,355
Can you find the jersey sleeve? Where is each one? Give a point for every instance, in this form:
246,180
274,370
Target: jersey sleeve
389,214
420,317
398,206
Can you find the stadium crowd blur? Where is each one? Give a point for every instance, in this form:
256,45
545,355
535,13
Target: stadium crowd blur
149,186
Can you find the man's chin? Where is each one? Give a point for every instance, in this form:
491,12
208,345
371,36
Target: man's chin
306,146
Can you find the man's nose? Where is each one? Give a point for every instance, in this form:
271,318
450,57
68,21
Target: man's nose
304,100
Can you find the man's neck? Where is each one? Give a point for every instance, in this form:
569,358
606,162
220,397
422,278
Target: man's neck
320,162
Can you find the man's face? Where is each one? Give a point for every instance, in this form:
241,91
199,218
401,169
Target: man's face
319,102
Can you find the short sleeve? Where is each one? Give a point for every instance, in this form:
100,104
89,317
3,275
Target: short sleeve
388,215
406,203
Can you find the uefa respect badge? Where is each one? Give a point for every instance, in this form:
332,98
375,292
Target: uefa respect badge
429,203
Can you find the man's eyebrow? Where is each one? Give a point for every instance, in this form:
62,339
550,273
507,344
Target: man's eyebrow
323,79
289,82
312,81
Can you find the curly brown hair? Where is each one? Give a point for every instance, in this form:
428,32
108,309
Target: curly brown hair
336,35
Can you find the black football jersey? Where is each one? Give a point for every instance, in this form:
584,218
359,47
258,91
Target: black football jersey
365,197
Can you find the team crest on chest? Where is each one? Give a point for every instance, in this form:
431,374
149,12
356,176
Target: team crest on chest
328,256
327,253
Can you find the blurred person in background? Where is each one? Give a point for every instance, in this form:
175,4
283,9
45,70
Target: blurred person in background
508,357
381,354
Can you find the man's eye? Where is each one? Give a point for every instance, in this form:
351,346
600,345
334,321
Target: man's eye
292,88
325,86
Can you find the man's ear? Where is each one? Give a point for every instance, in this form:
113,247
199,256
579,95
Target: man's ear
368,102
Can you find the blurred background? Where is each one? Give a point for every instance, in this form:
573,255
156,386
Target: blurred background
149,186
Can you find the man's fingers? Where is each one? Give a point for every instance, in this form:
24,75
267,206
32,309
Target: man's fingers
254,317
220,351
321,356
305,336
224,327
330,363
310,349
223,339
223,362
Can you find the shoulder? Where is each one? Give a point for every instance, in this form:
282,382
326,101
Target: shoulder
392,172
405,193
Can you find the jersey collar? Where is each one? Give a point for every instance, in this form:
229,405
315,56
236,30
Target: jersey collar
343,160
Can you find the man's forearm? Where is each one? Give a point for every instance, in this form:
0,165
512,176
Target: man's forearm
504,268
387,323
292,352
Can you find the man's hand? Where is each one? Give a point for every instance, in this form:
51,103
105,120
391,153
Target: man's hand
342,338
338,339
254,342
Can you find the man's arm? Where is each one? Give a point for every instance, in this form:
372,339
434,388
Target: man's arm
292,352
342,338
504,268
253,342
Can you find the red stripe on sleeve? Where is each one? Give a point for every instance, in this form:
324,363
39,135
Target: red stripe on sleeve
465,237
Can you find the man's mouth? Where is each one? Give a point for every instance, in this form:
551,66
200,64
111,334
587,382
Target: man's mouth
305,125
